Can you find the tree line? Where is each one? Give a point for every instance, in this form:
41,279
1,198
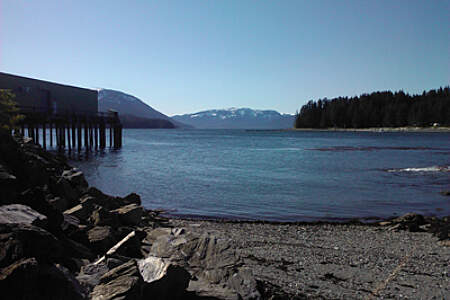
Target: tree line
378,109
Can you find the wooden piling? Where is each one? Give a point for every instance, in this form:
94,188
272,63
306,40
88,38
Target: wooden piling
44,136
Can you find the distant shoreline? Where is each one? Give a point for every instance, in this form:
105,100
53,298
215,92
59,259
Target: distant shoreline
378,129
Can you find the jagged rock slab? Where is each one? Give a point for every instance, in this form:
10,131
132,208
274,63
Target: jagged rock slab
18,213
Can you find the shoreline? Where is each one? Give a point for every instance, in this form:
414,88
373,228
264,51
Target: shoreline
377,129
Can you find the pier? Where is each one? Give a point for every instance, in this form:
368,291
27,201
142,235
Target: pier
72,131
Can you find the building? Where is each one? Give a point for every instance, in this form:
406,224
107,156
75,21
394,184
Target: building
54,98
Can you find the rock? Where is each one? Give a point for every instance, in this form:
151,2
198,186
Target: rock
101,238
213,261
61,187
35,198
61,204
123,282
410,221
23,241
82,211
18,213
102,199
164,280
101,216
90,275
30,279
75,249
8,186
70,224
76,178
132,198
129,214
445,193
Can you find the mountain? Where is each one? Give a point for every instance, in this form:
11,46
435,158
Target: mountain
130,106
237,118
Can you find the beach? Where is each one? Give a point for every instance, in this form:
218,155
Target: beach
338,261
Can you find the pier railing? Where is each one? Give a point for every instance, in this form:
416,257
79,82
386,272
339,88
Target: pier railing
71,130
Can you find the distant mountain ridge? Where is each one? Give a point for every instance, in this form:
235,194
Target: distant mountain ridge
131,106
237,118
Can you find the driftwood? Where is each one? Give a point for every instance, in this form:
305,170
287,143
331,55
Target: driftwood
116,247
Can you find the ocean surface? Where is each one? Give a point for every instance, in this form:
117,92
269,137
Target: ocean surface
277,176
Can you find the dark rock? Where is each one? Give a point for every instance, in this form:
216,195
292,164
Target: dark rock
61,187
30,279
83,210
8,186
101,238
129,214
109,202
35,198
101,216
410,221
21,241
76,178
164,280
90,275
70,224
132,198
445,193
18,213
123,282
61,204
75,249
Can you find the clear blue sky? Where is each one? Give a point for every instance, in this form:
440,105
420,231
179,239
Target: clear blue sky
187,56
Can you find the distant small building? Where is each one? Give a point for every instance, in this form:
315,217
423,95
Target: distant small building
54,98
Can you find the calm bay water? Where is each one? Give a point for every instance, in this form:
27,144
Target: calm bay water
283,176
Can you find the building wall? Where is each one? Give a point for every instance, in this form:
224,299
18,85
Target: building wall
34,94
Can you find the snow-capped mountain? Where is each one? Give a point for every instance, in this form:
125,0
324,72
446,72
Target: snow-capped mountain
130,106
237,118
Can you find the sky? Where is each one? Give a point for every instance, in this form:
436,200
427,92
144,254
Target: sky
187,56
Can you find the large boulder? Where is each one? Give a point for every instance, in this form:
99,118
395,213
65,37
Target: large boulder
216,265
24,241
18,213
30,279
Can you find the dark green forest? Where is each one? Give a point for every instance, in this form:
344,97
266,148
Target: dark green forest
378,109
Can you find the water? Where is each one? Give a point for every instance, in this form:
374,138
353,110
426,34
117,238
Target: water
278,176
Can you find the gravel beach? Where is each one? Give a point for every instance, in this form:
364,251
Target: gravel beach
338,261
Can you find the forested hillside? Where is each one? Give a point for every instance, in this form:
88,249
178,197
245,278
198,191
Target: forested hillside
378,109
